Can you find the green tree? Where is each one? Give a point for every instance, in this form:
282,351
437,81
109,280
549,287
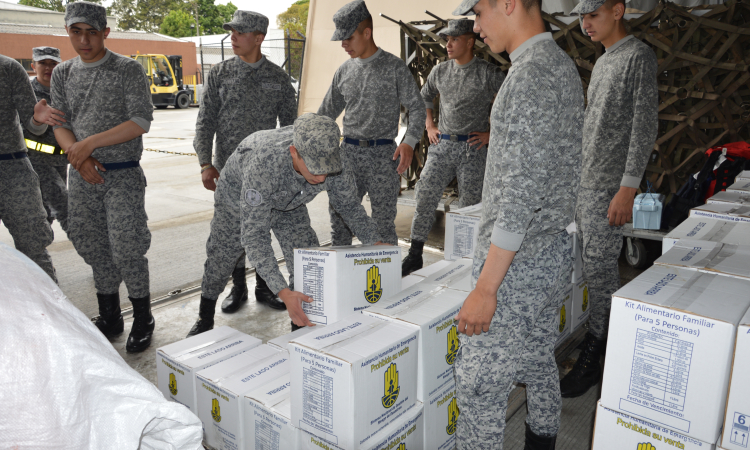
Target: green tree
143,15
294,20
212,17
177,24
52,5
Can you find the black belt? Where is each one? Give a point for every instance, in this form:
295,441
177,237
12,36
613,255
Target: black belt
16,155
455,137
368,142
121,165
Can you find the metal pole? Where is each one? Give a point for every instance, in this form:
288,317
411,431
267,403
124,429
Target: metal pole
301,62
222,46
288,52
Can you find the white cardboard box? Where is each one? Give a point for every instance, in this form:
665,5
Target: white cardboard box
737,419
673,331
353,378
426,271
743,176
739,198
577,274
282,342
440,418
430,310
564,320
266,416
343,280
221,388
407,430
580,312
453,275
709,257
742,186
713,230
722,211
614,430
177,363
410,280
461,232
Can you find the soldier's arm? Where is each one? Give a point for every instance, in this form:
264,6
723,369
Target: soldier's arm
288,110
64,132
342,195
333,103
208,118
645,120
24,99
429,92
409,95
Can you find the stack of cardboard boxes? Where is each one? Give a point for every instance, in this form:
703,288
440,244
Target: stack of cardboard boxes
679,342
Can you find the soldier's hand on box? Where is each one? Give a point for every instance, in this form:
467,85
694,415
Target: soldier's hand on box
476,313
79,152
293,301
209,177
433,134
479,140
89,173
621,207
406,153
43,113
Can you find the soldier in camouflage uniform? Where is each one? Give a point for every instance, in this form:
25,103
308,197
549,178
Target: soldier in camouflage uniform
107,98
523,258
467,86
243,95
618,137
265,187
21,208
46,157
370,87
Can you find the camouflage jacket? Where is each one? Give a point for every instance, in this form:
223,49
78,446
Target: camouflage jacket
16,106
48,137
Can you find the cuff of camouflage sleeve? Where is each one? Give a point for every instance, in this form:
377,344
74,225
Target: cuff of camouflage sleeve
411,141
429,104
36,129
65,125
276,281
506,240
141,122
631,182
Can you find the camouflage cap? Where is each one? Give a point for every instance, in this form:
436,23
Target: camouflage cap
348,18
317,139
466,8
86,12
458,27
42,53
586,7
248,21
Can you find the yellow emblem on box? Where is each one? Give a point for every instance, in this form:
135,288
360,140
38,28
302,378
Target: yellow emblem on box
453,414
453,344
373,291
585,303
563,318
390,386
215,410
401,447
646,446
172,384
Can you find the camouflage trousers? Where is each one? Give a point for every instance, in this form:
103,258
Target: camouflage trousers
445,161
53,182
601,246
519,347
375,174
109,229
224,249
23,214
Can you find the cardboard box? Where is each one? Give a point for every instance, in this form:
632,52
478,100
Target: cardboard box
709,257
461,232
177,363
452,275
743,176
406,432
282,342
410,280
577,274
343,280
440,418
614,430
739,198
221,388
673,331
722,211
266,416
580,313
565,321
429,310
737,418
742,186
713,230
353,378
426,271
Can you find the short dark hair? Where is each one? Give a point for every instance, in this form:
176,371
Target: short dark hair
611,3
528,5
367,23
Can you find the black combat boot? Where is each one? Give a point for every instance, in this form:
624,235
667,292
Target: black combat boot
143,325
238,294
413,260
205,317
587,369
109,321
264,296
536,442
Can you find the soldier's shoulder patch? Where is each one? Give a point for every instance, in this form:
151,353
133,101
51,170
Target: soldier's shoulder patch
274,86
253,197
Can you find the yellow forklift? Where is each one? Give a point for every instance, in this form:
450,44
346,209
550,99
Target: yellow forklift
165,75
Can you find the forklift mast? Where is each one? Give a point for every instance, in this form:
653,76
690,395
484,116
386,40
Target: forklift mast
176,62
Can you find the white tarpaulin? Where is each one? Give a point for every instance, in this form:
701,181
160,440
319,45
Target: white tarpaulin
63,385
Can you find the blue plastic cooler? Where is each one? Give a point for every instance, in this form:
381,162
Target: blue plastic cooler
647,211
